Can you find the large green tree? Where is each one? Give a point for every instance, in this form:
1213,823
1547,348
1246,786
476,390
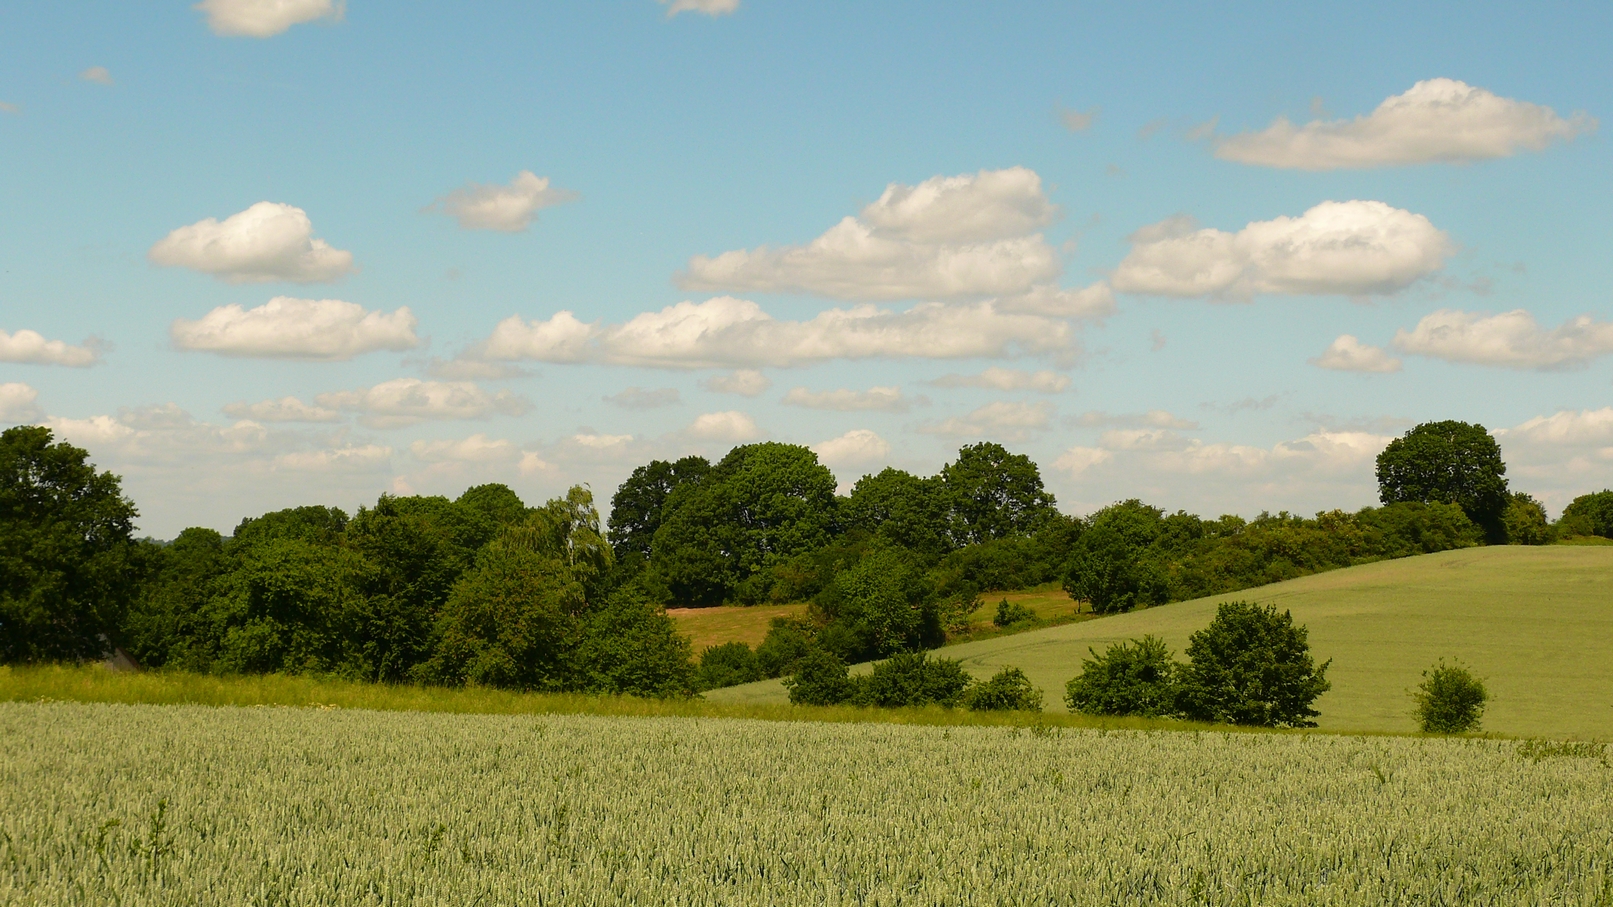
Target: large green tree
1252,665
994,494
1589,514
66,556
900,508
1448,463
637,508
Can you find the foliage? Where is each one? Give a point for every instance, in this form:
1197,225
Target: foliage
820,678
1010,613
1009,690
1136,677
1450,700
788,641
911,679
1589,514
1525,521
727,665
638,507
883,606
901,509
1252,665
1114,567
994,494
66,557
630,645
1448,463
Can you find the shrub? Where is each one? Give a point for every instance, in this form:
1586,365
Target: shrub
1008,691
1252,666
1589,514
727,665
1450,699
1525,521
1009,613
820,678
1130,678
912,679
1110,570
787,642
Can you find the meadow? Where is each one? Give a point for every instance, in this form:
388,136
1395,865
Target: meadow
179,805
1535,622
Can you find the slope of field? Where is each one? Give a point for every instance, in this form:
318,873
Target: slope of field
1536,623
108,804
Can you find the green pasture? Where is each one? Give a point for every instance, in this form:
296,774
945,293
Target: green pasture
1535,623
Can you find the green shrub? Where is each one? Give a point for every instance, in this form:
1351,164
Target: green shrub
1130,678
820,678
1009,613
1525,521
727,665
912,679
787,642
1450,699
1589,514
1251,666
1007,691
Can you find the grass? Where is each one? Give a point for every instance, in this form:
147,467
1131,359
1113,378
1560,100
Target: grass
730,623
1535,623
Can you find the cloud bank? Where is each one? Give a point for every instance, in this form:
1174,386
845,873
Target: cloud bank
267,242
19,404
409,401
1508,340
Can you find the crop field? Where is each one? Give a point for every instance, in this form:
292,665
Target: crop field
1535,623
181,805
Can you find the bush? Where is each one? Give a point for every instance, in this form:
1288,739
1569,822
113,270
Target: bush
912,679
1129,678
631,646
787,642
1589,514
1012,613
1008,691
820,678
727,665
1252,666
1525,521
1450,700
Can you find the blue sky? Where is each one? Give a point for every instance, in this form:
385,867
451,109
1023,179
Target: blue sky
1082,232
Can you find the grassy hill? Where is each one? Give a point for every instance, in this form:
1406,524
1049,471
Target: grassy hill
1537,623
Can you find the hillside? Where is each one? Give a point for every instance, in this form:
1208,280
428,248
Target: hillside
1537,623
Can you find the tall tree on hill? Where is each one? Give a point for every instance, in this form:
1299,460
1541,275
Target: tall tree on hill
994,494
902,509
639,505
1448,463
66,575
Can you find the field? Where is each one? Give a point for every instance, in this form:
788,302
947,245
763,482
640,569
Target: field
171,805
1537,623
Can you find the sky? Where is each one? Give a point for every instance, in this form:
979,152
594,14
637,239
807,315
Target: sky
257,254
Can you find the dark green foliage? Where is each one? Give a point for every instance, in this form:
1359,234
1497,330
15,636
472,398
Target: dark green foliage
67,563
314,524
1115,565
1009,690
1525,521
883,602
1137,677
820,678
637,508
631,646
286,605
994,494
901,509
497,502
788,641
1589,514
727,665
1252,665
1010,613
1448,463
1450,700
912,679
166,625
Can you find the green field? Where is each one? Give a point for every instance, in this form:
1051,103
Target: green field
1536,623
182,805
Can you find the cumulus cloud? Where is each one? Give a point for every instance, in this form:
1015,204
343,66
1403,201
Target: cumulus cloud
1348,354
707,7
97,74
1437,120
288,328
958,236
355,458
745,382
1001,420
1153,419
730,427
887,399
507,209
1355,248
477,448
728,332
644,398
1587,428
286,409
408,401
1510,340
266,18
19,404
1560,456
1008,379
31,347
267,242
858,447
1093,303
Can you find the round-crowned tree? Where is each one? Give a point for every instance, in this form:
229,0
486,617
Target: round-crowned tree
1252,665
1450,700
1448,463
994,494
1589,514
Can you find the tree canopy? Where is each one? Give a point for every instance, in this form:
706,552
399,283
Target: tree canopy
1448,463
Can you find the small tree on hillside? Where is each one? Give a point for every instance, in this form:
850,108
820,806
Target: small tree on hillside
1450,700
1009,690
1137,677
1448,463
1252,665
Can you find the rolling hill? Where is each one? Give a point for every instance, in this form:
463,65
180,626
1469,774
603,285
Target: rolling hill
1536,623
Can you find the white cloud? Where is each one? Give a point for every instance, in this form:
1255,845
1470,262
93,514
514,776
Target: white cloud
708,7
165,435
644,398
959,236
1511,339
1142,439
1009,379
1001,420
286,409
731,427
477,448
594,441
1078,120
858,447
1078,460
288,328
1093,303
1566,428
1437,120
1355,248
361,458
1154,418
97,74
266,18
407,401
887,399
1348,354
19,404
267,242
508,209
31,347
1561,456
744,382
725,331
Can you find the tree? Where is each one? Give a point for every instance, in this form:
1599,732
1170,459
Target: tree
1252,665
167,624
910,679
1589,514
630,646
1525,521
496,501
286,605
1009,690
883,601
639,505
66,575
1137,677
994,494
1448,463
820,678
1109,570
902,509
1450,700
